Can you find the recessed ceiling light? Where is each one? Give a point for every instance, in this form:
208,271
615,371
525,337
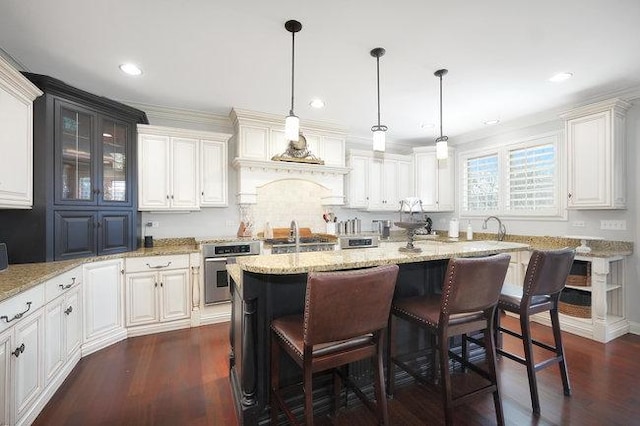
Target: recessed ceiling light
130,69
317,103
561,76
427,125
491,122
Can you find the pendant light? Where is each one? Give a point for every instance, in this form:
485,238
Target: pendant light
378,130
292,123
442,150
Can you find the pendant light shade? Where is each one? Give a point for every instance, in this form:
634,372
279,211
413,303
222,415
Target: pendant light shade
379,130
292,122
442,148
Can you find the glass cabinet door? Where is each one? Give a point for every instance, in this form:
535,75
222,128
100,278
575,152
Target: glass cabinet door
115,149
74,156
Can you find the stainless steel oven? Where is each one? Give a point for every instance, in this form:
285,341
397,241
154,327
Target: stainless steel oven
216,257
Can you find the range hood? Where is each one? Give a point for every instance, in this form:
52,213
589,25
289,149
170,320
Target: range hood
259,137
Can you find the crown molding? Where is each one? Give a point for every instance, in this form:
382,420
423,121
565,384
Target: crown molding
183,115
147,129
244,116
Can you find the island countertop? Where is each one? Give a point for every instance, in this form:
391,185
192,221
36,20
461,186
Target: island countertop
386,254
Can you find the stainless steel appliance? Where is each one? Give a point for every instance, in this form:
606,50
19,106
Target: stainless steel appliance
216,257
306,244
359,242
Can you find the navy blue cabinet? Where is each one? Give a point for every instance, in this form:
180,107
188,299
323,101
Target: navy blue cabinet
85,178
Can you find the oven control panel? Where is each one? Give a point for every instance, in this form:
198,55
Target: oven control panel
230,249
359,242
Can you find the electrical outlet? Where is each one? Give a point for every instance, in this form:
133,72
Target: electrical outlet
614,225
155,224
578,224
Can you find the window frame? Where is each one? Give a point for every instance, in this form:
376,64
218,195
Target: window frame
559,211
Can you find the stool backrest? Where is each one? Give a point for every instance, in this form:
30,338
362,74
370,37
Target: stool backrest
547,272
473,284
346,304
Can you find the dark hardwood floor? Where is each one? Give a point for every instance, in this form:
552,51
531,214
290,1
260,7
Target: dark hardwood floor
181,378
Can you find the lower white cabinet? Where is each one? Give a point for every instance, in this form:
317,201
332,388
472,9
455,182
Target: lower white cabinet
6,347
28,380
103,314
158,292
63,331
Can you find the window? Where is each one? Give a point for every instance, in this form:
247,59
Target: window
518,179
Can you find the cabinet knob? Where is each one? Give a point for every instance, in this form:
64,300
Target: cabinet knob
161,284
570,195
18,351
167,197
172,197
155,284
68,310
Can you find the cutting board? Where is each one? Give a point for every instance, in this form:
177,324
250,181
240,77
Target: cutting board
284,232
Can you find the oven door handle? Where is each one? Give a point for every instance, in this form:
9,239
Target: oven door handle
215,259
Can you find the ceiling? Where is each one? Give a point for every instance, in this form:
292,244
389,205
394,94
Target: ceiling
210,56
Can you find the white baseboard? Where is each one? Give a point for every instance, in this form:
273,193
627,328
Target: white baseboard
108,339
634,327
158,328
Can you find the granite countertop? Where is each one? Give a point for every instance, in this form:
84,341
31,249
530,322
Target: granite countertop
18,278
387,253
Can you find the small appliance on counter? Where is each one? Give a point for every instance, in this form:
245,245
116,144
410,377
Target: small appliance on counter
351,242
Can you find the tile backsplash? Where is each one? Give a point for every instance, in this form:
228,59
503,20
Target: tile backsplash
282,201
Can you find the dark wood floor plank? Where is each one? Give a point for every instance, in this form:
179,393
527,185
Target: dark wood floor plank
181,378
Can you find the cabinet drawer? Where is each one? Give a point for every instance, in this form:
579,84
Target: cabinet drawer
156,263
62,283
21,306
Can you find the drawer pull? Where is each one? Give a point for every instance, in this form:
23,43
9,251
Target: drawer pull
64,287
18,350
16,316
68,310
159,266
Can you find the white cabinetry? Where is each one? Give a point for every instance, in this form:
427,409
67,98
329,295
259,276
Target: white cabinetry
103,314
16,138
358,182
63,323
181,169
378,183
158,293
213,173
434,180
29,377
6,347
606,291
597,155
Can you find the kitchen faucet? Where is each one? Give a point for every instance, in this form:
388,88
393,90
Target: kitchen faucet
294,235
502,230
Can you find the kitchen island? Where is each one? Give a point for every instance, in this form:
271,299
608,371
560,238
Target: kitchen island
269,286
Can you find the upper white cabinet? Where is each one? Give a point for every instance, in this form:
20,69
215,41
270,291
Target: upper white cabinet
181,169
213,173
358,181
596,148
378,182
16,138
434,180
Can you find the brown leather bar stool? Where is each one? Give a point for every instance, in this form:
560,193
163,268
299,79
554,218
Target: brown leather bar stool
469,297
345,316
543,282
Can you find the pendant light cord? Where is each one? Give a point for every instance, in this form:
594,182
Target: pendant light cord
378,83
293,56
440,106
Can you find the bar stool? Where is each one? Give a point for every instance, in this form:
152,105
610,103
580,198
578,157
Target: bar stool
344,319
543,282
469,297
